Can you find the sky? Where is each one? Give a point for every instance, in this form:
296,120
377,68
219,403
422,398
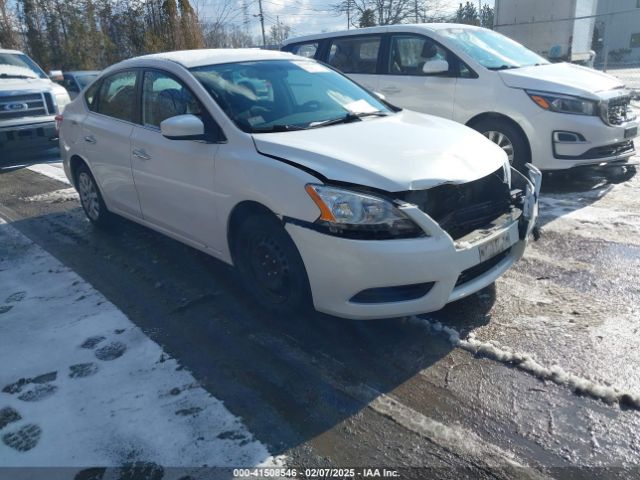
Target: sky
303,16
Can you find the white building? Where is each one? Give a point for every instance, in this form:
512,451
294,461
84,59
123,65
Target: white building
620,32
549,27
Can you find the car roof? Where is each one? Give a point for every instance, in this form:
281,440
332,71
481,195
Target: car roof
212,56
82,72
403,27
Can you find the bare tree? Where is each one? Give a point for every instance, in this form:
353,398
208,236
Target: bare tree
8,27
390,12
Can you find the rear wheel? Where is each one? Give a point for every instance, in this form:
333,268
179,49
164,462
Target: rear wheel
90,197
507,137
270,265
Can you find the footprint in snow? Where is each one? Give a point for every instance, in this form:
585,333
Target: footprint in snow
107,352
11,299
21,439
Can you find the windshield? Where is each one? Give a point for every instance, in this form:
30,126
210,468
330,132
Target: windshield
86,79
18,65
492,50
280,95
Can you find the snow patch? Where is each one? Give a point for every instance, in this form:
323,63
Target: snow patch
51,170
527,363
57,196
82,386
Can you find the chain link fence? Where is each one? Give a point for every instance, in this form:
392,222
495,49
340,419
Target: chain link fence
602,34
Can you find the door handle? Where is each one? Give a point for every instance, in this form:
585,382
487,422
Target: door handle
141,154
390,89
90,139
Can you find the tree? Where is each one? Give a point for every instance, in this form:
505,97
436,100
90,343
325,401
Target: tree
390,12
487,16
367,19
8,28
278,33
468,14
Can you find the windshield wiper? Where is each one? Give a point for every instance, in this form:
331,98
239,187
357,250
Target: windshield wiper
503,67
279,127
348,118
7,75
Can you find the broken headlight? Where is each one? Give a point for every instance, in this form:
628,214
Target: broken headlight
357,215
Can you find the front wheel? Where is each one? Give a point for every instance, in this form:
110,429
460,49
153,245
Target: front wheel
270,265
507,137
90,197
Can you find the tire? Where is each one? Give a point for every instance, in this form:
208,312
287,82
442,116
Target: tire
91,198
270,265
509,138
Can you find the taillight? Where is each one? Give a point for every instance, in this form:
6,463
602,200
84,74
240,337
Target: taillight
58,119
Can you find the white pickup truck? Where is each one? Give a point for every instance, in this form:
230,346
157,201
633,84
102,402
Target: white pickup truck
29,102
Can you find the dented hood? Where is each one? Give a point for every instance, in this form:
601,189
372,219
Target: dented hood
564,78
405,151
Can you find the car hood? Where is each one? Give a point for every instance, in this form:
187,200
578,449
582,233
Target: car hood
405,151
9,85
563,78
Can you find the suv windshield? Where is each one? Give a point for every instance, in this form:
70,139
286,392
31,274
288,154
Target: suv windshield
492,50
18,65
282,95
85,79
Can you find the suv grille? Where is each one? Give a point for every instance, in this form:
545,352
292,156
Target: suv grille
25,105
619,111
461,209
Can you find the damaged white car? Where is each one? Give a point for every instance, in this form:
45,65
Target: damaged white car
318,191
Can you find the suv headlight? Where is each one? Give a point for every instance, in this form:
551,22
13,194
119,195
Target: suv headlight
564,103
356,215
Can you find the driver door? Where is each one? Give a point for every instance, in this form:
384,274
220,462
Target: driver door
407,86
174,178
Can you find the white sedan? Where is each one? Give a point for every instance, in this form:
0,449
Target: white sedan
318,191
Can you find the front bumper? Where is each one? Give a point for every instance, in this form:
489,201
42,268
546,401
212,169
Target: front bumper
28,137
575,140
339,269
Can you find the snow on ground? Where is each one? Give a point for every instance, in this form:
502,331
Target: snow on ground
57,196
81,385
52,170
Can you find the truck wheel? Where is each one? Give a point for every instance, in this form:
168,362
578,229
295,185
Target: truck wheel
270,266
507,137
90,198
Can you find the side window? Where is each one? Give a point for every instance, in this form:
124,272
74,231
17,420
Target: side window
305,49
70,84
355,54
409,53
164,97
117,97
91,97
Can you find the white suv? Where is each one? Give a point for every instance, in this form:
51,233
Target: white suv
313,187
556,115
29,102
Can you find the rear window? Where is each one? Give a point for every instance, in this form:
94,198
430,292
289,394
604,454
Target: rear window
355,54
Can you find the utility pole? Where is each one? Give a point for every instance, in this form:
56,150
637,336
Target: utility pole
348,14
261,15
415,10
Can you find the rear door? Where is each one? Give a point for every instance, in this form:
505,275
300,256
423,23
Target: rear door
174,178
356,56
404,84
106,134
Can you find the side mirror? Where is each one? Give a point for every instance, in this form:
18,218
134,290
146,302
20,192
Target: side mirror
182,127
434,67
56,75
381,96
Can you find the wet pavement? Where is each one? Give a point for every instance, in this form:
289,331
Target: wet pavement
398,393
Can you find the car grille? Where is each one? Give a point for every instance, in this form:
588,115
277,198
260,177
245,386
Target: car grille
25,105
461,209
619,111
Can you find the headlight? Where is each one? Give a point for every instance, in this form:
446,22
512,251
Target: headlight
564,103
356,215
